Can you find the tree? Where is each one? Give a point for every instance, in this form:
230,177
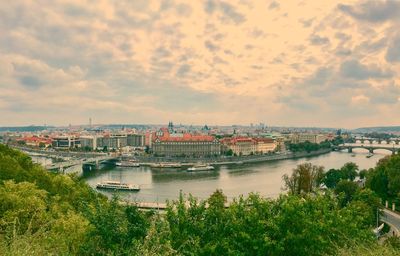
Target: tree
229,152
305,178
384,179
332,177
349,171
346,189
363,174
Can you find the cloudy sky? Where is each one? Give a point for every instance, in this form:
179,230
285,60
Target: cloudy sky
291,63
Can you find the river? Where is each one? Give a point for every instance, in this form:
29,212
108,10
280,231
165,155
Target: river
263,178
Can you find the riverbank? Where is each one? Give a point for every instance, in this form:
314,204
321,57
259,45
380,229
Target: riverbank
146,161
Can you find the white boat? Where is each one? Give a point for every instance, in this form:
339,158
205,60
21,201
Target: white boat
116,185
369,155
166,165
200,167
127,164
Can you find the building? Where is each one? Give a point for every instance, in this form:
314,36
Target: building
112,141
243,146
310,137
135,140
88,142
184,144
35,141
66,142
265,145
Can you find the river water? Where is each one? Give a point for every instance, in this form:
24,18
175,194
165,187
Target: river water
263,178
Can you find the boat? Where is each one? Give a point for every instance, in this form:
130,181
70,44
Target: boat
166,165
127,164
369,155
200,167
353,155
116,185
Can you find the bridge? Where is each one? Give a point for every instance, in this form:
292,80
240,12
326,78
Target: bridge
366,140
370,147
62,165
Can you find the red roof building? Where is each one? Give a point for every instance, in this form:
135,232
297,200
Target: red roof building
184,144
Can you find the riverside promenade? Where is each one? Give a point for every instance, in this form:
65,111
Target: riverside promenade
226,160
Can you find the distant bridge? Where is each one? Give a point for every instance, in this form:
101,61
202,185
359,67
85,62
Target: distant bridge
365,140
62,165
370,147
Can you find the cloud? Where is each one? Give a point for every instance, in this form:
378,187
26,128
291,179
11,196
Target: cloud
211,46
151,61
274,5
318,40
355,70
306,22
231,14
228,11
373,11
393,51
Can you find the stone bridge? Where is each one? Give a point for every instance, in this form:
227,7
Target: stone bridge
365,140
370,147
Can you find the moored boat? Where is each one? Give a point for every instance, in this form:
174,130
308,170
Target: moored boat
166,165
200,167
127,164
116,185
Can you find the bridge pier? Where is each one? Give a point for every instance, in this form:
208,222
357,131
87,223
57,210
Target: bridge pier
350,150
371,150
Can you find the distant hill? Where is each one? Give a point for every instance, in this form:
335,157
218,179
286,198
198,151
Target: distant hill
31,128
379,129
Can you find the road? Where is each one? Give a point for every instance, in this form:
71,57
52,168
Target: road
393,219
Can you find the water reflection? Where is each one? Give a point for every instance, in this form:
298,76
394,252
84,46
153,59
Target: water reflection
182,175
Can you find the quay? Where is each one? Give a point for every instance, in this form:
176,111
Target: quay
233,160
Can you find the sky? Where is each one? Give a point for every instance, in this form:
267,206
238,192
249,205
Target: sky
285,63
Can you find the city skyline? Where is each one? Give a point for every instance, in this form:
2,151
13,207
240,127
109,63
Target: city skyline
304,64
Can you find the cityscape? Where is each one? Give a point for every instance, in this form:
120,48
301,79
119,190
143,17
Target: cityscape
211,127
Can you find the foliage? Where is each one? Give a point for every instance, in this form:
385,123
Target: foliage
307,146
346,189
349,171
384,179
290,225
332,178
304,179
369,249
337,140
229,152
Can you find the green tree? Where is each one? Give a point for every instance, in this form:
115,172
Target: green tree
332,178
229,152
346,189
305,178
349,171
